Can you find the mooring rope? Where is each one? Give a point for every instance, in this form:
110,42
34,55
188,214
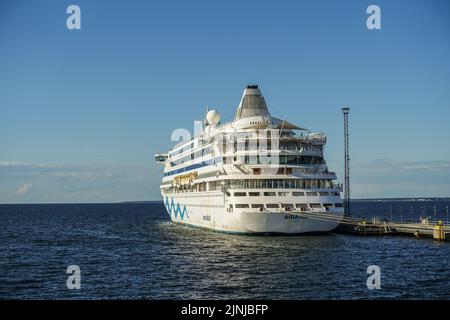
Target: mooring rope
362,222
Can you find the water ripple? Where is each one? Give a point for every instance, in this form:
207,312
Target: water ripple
133,251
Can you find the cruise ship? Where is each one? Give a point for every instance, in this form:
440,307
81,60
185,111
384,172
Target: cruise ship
256,174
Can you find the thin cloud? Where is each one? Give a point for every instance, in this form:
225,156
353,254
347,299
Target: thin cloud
390,178
103,183
389,166
78,183
23,189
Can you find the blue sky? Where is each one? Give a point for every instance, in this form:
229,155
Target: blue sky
82,112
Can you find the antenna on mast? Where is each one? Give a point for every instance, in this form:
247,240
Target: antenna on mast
282,125
205,122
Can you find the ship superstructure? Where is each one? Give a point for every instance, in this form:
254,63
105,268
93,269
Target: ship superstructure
256,174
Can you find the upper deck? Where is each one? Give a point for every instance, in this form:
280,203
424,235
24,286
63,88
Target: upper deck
252,141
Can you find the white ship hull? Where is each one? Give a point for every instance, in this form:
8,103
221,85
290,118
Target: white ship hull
257,174
211,215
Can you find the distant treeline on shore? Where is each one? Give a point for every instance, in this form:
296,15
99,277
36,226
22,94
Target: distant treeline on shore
402,199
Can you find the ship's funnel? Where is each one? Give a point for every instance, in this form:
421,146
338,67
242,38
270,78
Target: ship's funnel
252,104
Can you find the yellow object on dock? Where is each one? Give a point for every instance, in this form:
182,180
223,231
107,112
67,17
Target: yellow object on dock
439,231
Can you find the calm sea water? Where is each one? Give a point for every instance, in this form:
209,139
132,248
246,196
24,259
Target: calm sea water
133,251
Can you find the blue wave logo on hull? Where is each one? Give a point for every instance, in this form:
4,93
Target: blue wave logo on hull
175,210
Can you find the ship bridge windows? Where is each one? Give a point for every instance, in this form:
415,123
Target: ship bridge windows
282,159
284,145
300,160
274,159
295,145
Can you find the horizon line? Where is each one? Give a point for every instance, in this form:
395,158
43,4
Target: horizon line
162,201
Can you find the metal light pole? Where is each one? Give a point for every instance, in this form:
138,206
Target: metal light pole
347,210
446,209
401,214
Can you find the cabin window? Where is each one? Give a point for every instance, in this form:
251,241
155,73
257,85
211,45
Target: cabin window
272,205
287,205
213,185
302,206
254,194
202,186
240,194
241,206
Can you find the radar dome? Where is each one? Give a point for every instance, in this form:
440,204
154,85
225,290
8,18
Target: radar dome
213,117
